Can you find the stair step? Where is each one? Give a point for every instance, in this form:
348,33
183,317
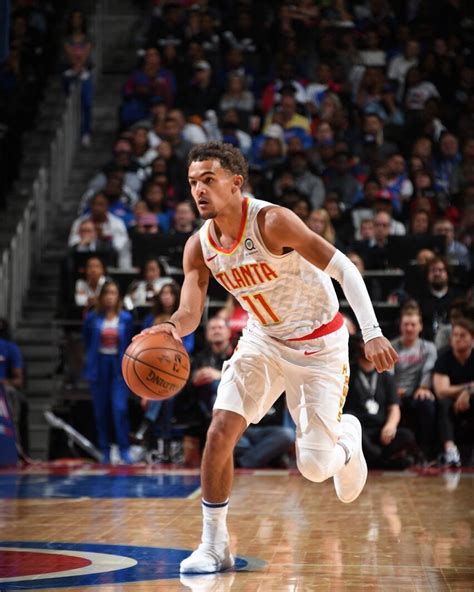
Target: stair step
38,369
38,351
41,303
40,387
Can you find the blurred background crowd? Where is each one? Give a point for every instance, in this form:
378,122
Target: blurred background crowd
358,116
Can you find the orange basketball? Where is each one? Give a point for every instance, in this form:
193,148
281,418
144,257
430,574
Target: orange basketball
156,366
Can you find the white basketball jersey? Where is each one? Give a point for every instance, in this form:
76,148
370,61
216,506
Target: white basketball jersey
285,295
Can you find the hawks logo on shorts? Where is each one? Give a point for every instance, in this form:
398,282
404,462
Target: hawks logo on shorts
285,296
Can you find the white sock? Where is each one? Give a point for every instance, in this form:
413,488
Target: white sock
214,516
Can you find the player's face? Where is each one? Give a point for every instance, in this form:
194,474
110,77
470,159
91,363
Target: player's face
212,187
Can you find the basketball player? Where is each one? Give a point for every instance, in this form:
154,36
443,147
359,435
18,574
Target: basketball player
295,339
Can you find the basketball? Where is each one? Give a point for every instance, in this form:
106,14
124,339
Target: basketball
156,366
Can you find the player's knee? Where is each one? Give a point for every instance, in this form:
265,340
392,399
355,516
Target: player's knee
313,464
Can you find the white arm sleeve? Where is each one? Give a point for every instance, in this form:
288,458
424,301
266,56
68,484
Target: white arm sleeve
346,273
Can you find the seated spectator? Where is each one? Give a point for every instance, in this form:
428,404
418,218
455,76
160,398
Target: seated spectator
461,308
123,160
418,90
398,182
154,197
184,221
435,297
373,399
384,203
142,292
419,223
148,82
109,228
364,202
202,93
322,83
453,383
107,332
374,148
412,374
339,178
121,198
77,49
456,252
306,181
401,63
145,224
270,150
142,151
12,379
237,97
297,202
172,133
286,115
165,303
232,134
190,131
446,161
273,90
340,219
375,251
320,223
88,288
89,241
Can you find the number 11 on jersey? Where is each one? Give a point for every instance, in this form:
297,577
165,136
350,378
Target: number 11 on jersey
261,309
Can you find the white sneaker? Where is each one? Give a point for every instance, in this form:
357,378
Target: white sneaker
350,480
208,559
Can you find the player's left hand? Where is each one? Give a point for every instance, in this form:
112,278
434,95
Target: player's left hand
380,351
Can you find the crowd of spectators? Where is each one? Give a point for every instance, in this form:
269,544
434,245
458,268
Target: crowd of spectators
30,57
356,115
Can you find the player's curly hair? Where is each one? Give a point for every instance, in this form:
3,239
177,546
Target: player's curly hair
230,158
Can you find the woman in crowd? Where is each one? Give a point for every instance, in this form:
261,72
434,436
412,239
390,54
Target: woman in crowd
154,197
88,288
142,292
107,332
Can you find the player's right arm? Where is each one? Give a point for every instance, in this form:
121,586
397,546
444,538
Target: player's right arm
193,294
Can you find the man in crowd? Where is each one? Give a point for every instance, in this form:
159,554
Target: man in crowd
374,401
260,445
412,373
453,383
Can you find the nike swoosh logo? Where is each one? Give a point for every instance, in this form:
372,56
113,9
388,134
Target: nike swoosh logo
310,353
211,258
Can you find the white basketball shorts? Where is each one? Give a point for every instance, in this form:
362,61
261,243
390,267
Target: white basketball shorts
314,374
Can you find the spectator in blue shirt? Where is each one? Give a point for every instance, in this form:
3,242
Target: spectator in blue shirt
12,378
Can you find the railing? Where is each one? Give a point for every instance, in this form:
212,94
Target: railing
24,249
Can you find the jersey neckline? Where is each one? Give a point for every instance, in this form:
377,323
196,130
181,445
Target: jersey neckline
233,247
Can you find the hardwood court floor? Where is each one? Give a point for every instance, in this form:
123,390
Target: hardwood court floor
405,532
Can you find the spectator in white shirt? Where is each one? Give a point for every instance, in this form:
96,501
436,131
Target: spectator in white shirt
399,65
109,228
